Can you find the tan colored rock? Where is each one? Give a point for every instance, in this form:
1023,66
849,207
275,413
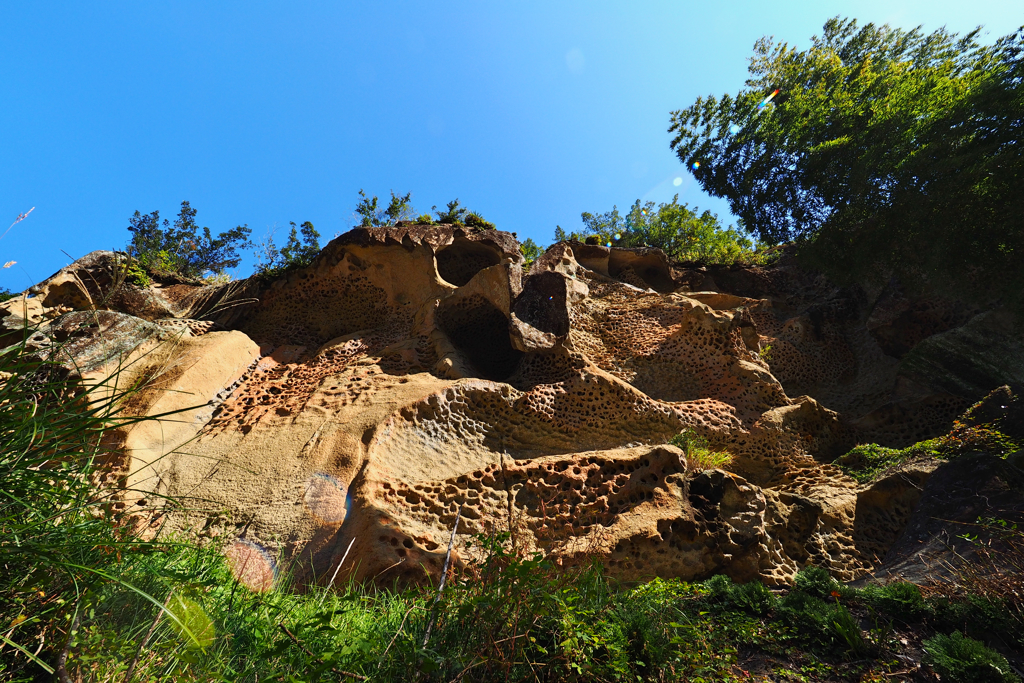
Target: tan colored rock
412,370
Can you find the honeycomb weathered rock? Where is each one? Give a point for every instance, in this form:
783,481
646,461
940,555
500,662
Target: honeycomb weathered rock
414,371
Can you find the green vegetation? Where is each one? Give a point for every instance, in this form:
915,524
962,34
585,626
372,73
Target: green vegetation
453,214
676,229
372,216
6,294
294,254
400,209
61,542
882,152
960,659
867,462
699,455
531,251
183,249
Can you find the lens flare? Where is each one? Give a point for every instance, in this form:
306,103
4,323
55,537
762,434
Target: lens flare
618,236
677,182
190,622
734,129
251,565
768,99
695,165
326,498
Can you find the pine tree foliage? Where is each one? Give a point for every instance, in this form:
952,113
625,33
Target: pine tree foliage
883,152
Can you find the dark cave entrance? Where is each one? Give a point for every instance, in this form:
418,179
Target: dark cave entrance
480,331
542,303
463,258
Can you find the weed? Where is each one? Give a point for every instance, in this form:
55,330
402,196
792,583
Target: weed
900,599
699,455
960,659
475,220
818,582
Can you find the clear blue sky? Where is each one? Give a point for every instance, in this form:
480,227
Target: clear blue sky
264,113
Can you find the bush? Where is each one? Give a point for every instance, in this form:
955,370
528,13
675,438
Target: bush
818,582
294,254
454,214
681,232
475,220
372,216
753,596
183,249
960,659
900,599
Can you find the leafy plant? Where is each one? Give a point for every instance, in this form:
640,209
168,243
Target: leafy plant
960,659
475,220
183,249
699,455
899,599
294,254
816,581
454,214
681,232
372,215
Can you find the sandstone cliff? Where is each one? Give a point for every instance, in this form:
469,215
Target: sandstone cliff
414,371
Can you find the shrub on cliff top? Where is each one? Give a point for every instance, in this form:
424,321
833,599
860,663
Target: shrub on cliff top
183,249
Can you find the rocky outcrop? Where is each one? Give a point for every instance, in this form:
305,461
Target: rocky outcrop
414,373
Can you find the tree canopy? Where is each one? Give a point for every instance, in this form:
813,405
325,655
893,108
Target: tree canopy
682,233
882,152
184,248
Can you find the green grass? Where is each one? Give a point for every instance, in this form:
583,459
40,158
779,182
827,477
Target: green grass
699,455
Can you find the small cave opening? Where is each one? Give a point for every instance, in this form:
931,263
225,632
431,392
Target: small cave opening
462,259
542,303
480,331
652,268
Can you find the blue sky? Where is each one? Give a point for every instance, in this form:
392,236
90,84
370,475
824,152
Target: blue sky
263,113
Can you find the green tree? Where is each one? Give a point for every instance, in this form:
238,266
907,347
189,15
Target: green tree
454,214
184,248
681,232
882,152
531,251
295,253
398,209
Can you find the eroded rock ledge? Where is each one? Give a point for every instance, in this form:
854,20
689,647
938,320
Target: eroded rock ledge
413,370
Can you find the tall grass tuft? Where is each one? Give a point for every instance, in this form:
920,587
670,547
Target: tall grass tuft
61,539
699,454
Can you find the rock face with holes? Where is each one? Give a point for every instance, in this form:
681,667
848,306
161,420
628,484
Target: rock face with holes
415,374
